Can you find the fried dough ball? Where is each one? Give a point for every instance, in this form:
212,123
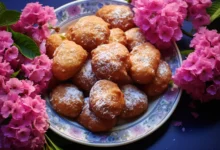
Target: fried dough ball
106,99
89,32
67,100
111,61
117,35
136,101
85,78
88,119
52,42
118,16
160,82
68,59
134,38
145,59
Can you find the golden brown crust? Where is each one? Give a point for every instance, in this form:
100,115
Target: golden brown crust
67,100
117,35
161,80
68,59
52,42
89,32
111,61
88,119
106,99
136,101
85,78
118,16
145,59
134,38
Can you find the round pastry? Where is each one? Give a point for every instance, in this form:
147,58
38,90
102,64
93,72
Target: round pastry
52,42
136,101
118,16
145,59
85,78
106,99
161,80
111,61
89,32
134,38
67,100
117,35
68,59
88,119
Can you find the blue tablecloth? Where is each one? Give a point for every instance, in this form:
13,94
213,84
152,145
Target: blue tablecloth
202,133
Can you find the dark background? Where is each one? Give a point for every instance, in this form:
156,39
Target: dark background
202,133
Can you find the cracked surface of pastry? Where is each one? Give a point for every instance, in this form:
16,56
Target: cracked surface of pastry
118,16
67,100
85,78
106,99
89,32
117,35
52,42
160,82
90,121
136,101
145,59
112,62
68,59
134,38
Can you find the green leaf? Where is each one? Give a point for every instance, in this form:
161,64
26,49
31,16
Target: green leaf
15,74
9,17
25,44
214,10
54,146
2,8
129,1
186,52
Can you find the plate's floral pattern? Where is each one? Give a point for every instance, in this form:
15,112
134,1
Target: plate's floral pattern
127,132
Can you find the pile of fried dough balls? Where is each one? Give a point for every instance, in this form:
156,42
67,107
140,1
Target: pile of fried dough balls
105,69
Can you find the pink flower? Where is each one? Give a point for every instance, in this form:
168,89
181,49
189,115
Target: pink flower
14,86
40,124
199,73
39,71
7,109
197,12
35,21
5,40
23,134
160,20
28,87
18,111
8,131
5,69
201,19
11,53
165,33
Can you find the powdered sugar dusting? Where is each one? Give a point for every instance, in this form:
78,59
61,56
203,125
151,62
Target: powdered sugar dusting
108,58
163,68
133,96
86,76
71,94
119,15
103,99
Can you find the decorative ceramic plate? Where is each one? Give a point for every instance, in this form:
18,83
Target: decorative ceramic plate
158,112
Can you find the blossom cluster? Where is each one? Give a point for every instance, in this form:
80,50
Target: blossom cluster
23,117
35,21
160,20
197,12
199,74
